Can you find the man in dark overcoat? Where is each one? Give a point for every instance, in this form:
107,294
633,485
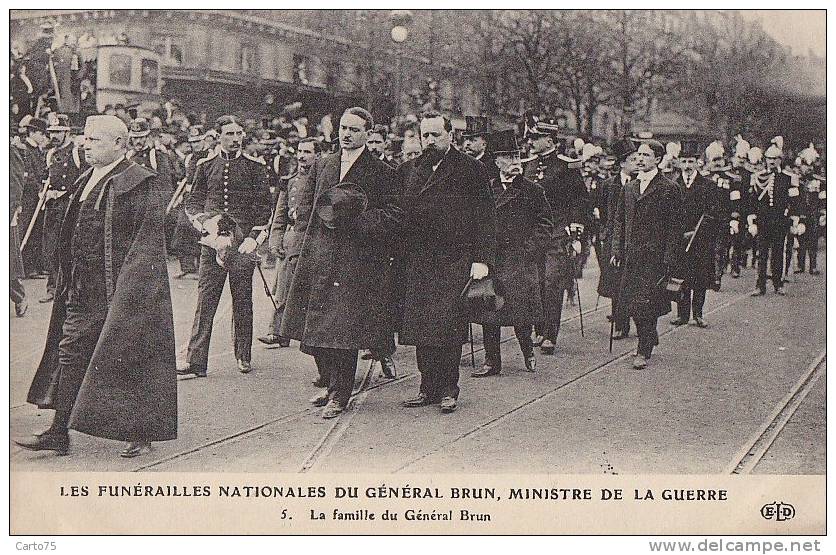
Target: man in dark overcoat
341,297
449,237
524,231
108,369
701,204
646,243
34,173
609,281
560,178
17,292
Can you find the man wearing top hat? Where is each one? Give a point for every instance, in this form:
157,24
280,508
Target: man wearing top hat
65,162
144,152
449,237
32,149
524,231
646,244
702,218
560,178
341,297
475,142
228,184
770,218
609,282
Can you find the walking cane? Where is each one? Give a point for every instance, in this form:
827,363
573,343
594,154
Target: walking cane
38,208
266,287
580,308
612,330
597,300
472,353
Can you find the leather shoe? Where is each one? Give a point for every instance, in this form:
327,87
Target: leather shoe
47,299
366,355
271,339
700,323
735,274
420,401
547,348
621,335
21,308
333,409
321,399
448,404
758,293
799,271
815,272
47,441
679,321
135,449
639,362
780,291
244,366
319,382
530,363
189,370
387,367
487,370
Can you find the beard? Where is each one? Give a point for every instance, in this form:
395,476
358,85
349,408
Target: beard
433,155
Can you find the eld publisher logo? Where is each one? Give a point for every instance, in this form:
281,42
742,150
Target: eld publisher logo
778,511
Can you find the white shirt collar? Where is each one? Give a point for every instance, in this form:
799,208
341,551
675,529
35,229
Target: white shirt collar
446,152
97,175
647,177
347,159
625,178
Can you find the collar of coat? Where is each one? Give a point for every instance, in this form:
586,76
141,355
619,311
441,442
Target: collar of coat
125,176
652,186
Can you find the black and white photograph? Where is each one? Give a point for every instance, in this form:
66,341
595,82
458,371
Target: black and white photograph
406,243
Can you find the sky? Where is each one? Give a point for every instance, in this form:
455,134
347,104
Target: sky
799,29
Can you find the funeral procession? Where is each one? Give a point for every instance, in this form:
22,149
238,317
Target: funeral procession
416,241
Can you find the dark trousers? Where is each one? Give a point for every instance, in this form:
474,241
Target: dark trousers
622,323
771,248
808,246
79,335
32,256
692,299
439,367
188,263
210,285
339,367
491,335
49,242
551,328
648,337
16,291
284,276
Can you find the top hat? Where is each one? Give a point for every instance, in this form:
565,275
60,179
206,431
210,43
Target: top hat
503,142
139,127
58,122
475,126
622,148
690,149
482,296
340,204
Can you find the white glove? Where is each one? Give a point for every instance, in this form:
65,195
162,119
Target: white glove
823,220
750,219
795,220
248,246
576,246
753,230
210,225
802,228
734,227
478,270
596,213
794,230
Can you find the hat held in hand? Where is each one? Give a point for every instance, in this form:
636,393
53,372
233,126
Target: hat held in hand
340,204
481,296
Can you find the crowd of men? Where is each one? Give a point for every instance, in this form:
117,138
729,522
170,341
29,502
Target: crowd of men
375,247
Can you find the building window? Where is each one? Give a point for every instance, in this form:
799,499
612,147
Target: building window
301,67
170,48
120,70
150,75
246,61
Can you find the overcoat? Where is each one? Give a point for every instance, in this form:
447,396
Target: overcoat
609,279
129,390
450,224
523,232
701,198
16,270
341,295
647,239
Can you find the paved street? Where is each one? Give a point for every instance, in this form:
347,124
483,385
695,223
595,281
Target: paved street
745,395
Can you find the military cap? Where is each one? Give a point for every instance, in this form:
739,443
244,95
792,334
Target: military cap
503,142
195,134
267,137
35,124
546,128
58,122
139,127
475,126
339,205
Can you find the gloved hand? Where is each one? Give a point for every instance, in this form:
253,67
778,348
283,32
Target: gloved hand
753,230
802,228
248,246
210,225
614,261
576,246
596,213
478,270
734,227
750,219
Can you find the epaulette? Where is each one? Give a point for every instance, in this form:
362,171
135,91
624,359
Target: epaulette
254,159
733,176
206,158
524,160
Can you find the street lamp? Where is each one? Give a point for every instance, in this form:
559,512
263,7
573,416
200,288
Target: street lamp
400,32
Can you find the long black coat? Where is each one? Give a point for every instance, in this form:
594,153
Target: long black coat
129,391
341,295
609,279
450,223
647,239
523,232
701,198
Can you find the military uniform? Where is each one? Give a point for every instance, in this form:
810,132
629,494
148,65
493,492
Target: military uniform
34,174
731,194
769,210
235,184
64,166
812,206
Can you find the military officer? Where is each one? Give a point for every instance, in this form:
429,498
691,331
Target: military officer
561,180
813,203
65,163
34,173
731,192
232,183
769,218
184,244
144,151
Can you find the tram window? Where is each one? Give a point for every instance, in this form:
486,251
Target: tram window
150,75
120,70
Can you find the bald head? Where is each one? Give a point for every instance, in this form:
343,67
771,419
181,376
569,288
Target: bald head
105,140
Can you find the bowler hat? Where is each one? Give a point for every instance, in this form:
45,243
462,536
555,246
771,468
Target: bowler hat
622,148
340,204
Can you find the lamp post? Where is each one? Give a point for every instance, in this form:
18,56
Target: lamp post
400,32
